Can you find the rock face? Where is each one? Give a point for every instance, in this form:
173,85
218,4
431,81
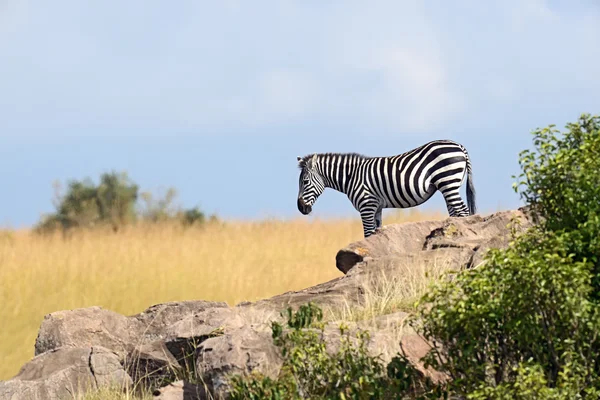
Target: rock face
472,236
88,348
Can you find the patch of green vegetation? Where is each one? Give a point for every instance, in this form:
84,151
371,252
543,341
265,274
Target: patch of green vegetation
114,202
309,371
525,325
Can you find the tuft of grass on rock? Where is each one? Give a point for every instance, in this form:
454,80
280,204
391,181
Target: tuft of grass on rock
113,393
387,292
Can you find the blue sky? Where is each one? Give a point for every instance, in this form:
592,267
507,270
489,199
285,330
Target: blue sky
218,98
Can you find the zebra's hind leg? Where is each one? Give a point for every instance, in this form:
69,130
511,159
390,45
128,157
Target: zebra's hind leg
454,203
367,215
378,218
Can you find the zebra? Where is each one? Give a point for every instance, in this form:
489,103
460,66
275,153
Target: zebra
401,181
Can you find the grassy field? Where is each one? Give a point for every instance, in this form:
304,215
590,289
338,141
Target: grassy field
145,265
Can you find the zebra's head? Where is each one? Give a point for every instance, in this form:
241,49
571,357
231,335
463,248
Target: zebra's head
311,184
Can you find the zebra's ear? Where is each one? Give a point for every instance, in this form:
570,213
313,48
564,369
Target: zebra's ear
299,158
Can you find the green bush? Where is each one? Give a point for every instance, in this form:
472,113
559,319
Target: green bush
561,184
86,205
114,202
526,323
528,304
560,178
194,216
309,371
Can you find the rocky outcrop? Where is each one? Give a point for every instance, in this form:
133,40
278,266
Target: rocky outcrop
94,326
92,347
472,236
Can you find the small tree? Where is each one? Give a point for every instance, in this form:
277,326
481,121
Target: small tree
86,205
116,197
114,202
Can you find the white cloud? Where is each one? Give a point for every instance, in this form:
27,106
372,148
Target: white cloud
414,92
402,65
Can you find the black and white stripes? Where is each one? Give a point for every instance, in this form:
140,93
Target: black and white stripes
401,181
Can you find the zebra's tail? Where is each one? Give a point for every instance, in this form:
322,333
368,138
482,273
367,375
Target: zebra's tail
470,187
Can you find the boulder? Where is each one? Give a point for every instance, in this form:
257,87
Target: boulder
83,327
64,373
475,234
95,326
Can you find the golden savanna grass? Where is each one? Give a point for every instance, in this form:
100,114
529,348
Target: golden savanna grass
144,265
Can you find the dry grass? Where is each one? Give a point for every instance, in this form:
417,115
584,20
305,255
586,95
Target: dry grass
386,293
145,265
112,393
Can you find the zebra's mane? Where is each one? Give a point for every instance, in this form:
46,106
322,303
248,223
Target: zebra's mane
306,158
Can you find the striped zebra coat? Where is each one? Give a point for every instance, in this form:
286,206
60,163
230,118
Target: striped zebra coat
401,181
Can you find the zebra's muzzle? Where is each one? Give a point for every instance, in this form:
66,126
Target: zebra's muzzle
303,207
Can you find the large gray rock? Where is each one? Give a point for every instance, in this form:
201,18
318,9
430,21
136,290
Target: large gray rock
95,326
64,373
83,327
474,234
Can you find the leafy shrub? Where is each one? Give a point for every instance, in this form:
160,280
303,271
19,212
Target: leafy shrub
525,325
86,205
560,178
114,202
529,303
194,216
561,183
309,371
